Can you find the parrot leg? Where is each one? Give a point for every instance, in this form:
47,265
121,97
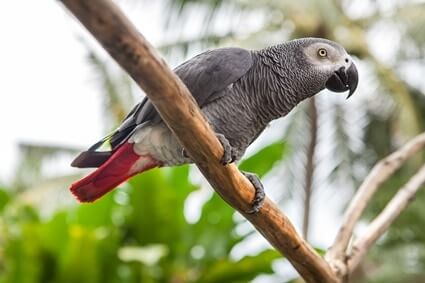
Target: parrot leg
229,154
260,194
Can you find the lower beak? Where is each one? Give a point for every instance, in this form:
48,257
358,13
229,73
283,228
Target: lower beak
343,80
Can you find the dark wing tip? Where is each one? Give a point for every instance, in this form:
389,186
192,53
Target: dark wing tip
91,159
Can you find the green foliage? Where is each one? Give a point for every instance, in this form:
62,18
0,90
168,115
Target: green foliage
4,199
140,234
135,234
265,159
241,271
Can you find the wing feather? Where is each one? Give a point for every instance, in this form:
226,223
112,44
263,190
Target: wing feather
205,75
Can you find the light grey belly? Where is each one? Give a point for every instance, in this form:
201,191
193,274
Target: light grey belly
227,117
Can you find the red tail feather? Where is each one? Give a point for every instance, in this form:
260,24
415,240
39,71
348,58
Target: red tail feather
123,164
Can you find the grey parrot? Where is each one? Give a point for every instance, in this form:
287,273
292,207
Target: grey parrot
239,92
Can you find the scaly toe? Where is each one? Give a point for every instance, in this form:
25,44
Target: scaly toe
259,195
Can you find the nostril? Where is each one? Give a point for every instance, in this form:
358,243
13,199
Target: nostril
346,60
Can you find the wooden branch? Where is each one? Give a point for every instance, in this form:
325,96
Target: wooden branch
336,255
383,221
178,109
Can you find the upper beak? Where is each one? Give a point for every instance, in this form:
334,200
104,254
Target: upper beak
343,80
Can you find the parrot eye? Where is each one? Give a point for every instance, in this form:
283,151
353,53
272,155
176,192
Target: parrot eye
322,52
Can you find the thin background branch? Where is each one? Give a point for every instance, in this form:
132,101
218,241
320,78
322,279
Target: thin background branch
337,255
383,221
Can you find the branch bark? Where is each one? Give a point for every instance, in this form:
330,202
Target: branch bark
178,109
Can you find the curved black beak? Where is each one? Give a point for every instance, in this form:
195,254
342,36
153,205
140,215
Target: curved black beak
343,80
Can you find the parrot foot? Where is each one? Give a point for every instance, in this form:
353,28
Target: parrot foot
259,195
184,153
229,154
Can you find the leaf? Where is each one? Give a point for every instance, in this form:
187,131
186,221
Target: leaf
157,199
148,255
54,233
214,230
264,160
4,199
96,214
79,262
243,270
23,264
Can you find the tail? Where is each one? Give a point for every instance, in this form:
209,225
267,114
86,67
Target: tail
123,164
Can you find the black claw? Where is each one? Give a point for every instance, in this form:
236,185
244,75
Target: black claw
233,156
260,194
184,153
229,154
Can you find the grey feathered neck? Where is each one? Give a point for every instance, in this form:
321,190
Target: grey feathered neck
274,83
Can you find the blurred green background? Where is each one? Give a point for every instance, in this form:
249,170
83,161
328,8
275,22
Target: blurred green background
167,225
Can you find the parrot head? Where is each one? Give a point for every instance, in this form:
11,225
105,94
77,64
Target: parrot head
331,62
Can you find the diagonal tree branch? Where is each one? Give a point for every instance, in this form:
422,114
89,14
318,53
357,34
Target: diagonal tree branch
383,221
178,109
381,171
338,257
